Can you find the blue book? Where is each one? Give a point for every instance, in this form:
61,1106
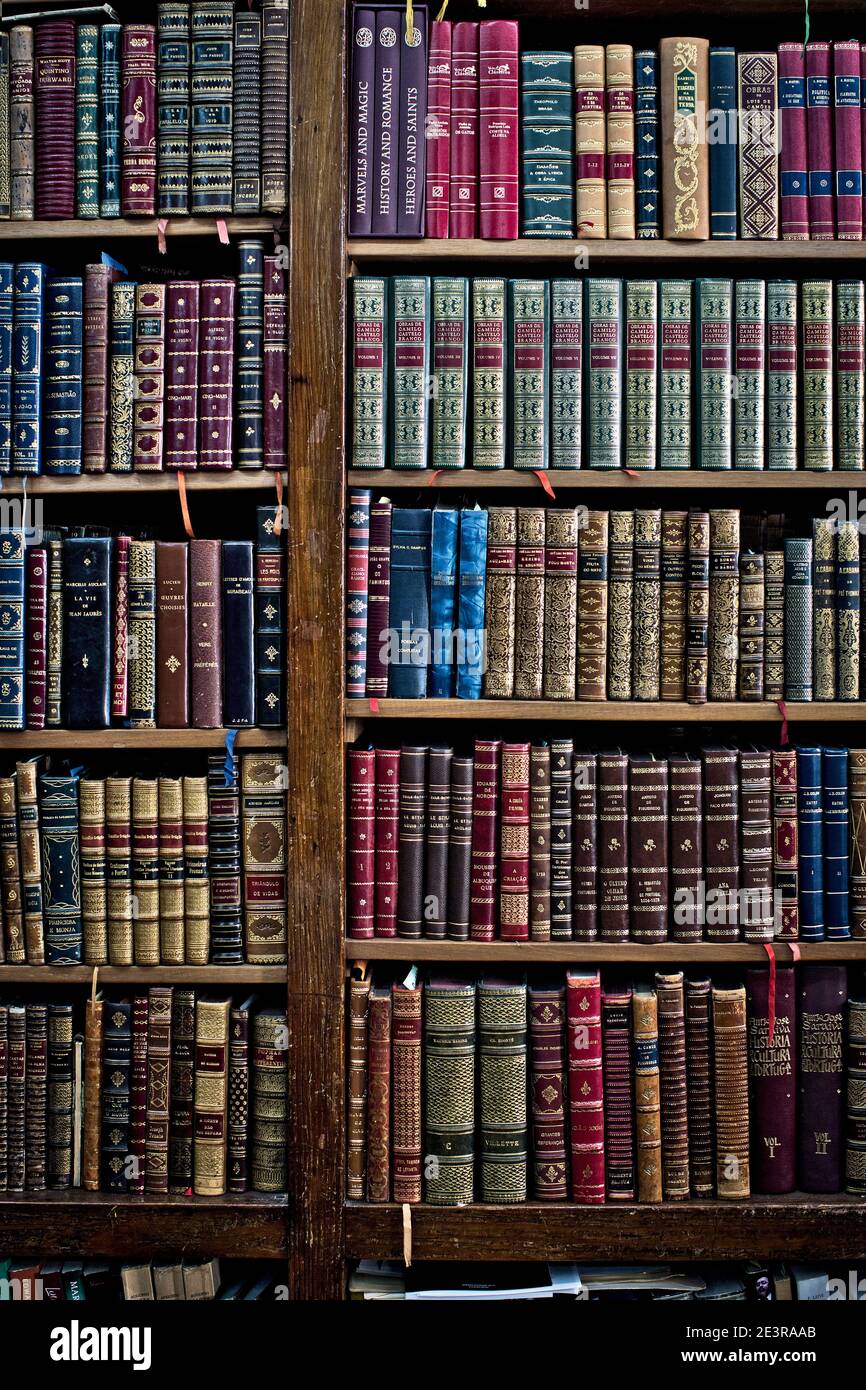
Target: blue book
722,136
443,601
63,372
27,347
6,270
799,627
409,614
270,611
249,359
61,868
11,629
472,585
646,137
87,599
87,120
810,815
835,778
239,692
109,120
173,108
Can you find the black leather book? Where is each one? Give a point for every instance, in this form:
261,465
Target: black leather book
116,1067
86,674
238,653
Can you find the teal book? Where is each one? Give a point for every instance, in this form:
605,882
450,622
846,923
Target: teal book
173,52
28,346
211,88
604,373
783,341
547,145
471,591
87,120
409,350
529,373
850,329
64,366
61,868
566,373
818,413
641,374
369,371
6,301
489,324
675,374
714,304
750,367
109,120
450,372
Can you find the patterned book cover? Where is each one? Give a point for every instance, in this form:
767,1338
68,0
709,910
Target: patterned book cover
781,387
750,682
848,636
36,1098
356,1107
30,851
360,850
164,812
435,851
724,117
620,605
824,610
547,1090
699,1051
210,1100
54,126
649,814
793,151
138,111
275,104
263,808
471,582
834,777
270,620
173,56
590,142
118,846
459,849
819,130
758,101
646,129
613,870
357,569
855,1147
410,847
158,1085
566,373
21,122
641,374
246,172
450,302
369,371
529,603
539,842
617,1054
92,1094
818,423
647,1095
561,838
673,1086
756,823
850,380
63,370
121,380
810,816
675,374
94,903
216,374
10,875
268,1133
36,637
529,373
16,1097
488,373
774,624
61,868
98,281
6,318
500,601
592,607
502,1090
444,546
683,95
379,597
406,1156
438,132
116,1068
673,605
498,139
584,880
60,1097
485,839
724,602
224,860
86,675
560,605
750,332
87,120
142,634
713,372
182,312
722,838
619,103
731,1071
28,347
546,133
239,1098
821,999
196,888
799,631
585,1087
211,96
409,352
646,657
687,846
149,388
463,180
449,1092
12,667
604,330
848,140
110,132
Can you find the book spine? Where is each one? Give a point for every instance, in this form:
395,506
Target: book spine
173,55
500,601
646,675
818,424
91,829
799,640
275,364
172,634
61,873
263,789
819,130
6,321
361,847
848,141
585,848
822,995
613,869
450,352
148,412
142,634
269,1139
646,96
471,585
30,851
724,115
60,1097
590,141
488,373
379,599
782,394
87,652
459,850
684,95
196,888
386,132
464,114
379,1096
121,381
731,1069
649,801
546,136
498,144
855,1149
757,916
547,1090
793,151
619,101
369,372
138,76
158,1078
750,334
210,1099
850,366
93,1012
675,374
503,1086
275,104
641,388
12,655
774,624
410,371
449,1092
406,1153
724,602
87,120
673,605
410,854
687,847
21,122
698,608
36,1098
110,129
438,132
270,619
356,1109
485,866
13,950
514,856
362,115
824,610
758,101
647,1096
561,839
246,173
412,116
62,383
834,776
118,843
750,685
539,843
357,569
28,348
224,861
848,640
560,605
182,310
98,280
604,328
409,616
216,374
592,607
36,650
211,95
714,367
147,872
435,903
621,606
585,1088
529,603
699,1049
673,1086
566,373
529,315
237,1170
444,537
722,873
810,815
55,119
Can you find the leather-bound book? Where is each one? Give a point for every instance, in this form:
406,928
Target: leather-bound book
850,331
36,648
118,844
675,373
773,1080
750,683
590,141
463,176
6,325
817,361
437,134
148,412
546,144
250,349
561,838
211,90
857,880
410,858
94,903
757,916
116,1068
98,280
529,373
699,1077
793,152
275,104
138,112
485,866
444,546
180,442
855,1148
196,888
36,1098
142,634
774,624
275,364
459,849
263,790
93,1012
180,1129
369,380
110,132
514,829
387,835
819,129
269,1135
409,613
824,608
216,374
724,603
210,1118
750,337
758,101
379,1095
87,120
4,1094
649,796
604,385
618,1095
55,119
721,842
723,152
585,1087
585,879
560,605
62,375
449,1091
170,868
646,97
488,373
613,868
158,1079
238,634
21,122
673,605
146,872
686,847
270,618
173,53
379,597
13,947
834,777
435,908
848,140
87,632
357,570
529,603
673,1086
619,102
786,854
547,1090
500,601
356,1106
503,1085
28,348
621,605
782,394
406,1029
30,852
731,1073
172,634
224,860
714,362
498,137
121,379
566,373
471,583
205,634
61,869
237,1168
592,607
16,1098
683,94
822,995
799,628
646,651
138,1095
362,116
810,815
411,121
247,90
410,358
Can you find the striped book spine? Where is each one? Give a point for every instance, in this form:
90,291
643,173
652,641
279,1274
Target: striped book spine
450,300
850,368
247,183
646,132
566,373
798,619
774,624
149,386
529,312
604,381
621,606
249,353
357,572
28,330
62,387
824,611
5,149
12,616
561,833
211,92
275,104
87,121
675,374
488,373
514,857
641,374
786,854
750,318
724,602
782,399
173,107
21,122
110,130
818,431
619,101
181,381
546,132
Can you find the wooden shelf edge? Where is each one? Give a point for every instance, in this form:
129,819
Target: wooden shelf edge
132,975
596,479
598,952
363,250
48,739
232,480
105,228
609,711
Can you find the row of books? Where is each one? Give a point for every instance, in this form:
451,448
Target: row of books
686,141
599,373
186,116
544,841
111,1281
572,603
168,1091
100,629
147,870
500,1091
98,372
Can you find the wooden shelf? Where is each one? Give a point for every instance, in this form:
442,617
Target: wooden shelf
133,975
107,228
127,739
231,480
798,1226
370,251
610,711
597,480
249,1225
597,952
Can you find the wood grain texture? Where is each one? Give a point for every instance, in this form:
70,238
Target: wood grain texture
530,953
59,739
365,253
594,480
107,228
132,976
611,711
238,480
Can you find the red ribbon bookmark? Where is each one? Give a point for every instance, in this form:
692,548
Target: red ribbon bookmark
161,229
434,475
278,515
783,710
374,706
631,472
184,505
771,992
545,482
222,231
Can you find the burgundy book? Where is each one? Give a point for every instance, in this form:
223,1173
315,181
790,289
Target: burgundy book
138,113
498,129
584,902
149,365
205,634
387,807
699,1077
37,635
613,877
378,597
648,847
547,1060
55,119
485,801
463,212
786,855
98,280
585,1087
386,130
436,849
180,439
819,128
793,148
379,1095
276,363
410,840
848,141
721,843
362,114
823,993
619,1142
406,1099
216,373
172,635
460,849
438,129
673,1086
773,1080
687,858
361,847
514,858
120,630
138,1093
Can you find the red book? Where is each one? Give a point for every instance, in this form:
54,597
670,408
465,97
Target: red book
438,129
618,1096
361,849
216,373
205,634
37,635
138,1093
378,597
379,1096
275,364
387,830
547,1056
406,1045
793,147
585,1087
849,144
514,863
55,119
181,374
172,634
120,630
98,280
773,1081
819,128
138,113
149,365
498,132
485,800
463,212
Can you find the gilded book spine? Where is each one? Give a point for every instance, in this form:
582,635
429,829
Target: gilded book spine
641,375
560,605
488,373
714,368
500,602
756,822
750,333
683,97
530,603
724,603
409,350
566,373
585,1087
699,1051
268,1134
369,371
118,842
31,860
782,395
94,903
731,1066
818,430
589,107
145,872
672,1077
646,678
450,373
824,611
514,848
546,1031
621,597
618,1095
604,380
539,843
406,1064
592,608
503,1088
774,624
758,102
619,102
529,314
647,1095
751,674
673,605
561,832
850,366
675,374
848,598
786,854
211,1096
449,1092
21,121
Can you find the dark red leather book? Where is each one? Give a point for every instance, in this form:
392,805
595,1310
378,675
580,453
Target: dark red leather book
463,212
848,140
172,635
585,1086
138,113
55,119
699,1076
773,1081
819,131
410,860
37,635
613,872
148,410
514,857
687,848
823,992
438,133
485,800
205,634
180,439
98,280
436,852
216,373
120,630
673,1086
618,1095
460,849
585,848
138,1093
648,847
387,810
498,129
361,846
406,1070
547,1060
721,843
379,1095
378,597
275,383
539,842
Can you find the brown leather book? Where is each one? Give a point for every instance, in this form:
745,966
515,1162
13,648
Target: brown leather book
356,1118
560,604
687,848
406,1139
672,1076
172,639
647,1101
613,874
673,605
539,842
592,608
648,842
619,75
501,566
699,1052
721,843
158,1076
92,1094
732,1092
205,634
529,604
857,785
684,101
379,1096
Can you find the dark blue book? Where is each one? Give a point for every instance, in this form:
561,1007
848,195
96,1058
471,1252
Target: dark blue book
172,107
834,773
61,868
409,620
87,600
11,629
270,612
109,120
6,269
799,625
116,1069
722,138
547,145
443,601
27,348
646,139
472,584
249,354
810,814
239,685
63,375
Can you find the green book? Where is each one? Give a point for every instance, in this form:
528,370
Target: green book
87,121
714,367
529,372
849,373
566,373
369,371
817,301
488,373
782,344
750,356
641,375
450,372
409,350
604,376
675,374
547,145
